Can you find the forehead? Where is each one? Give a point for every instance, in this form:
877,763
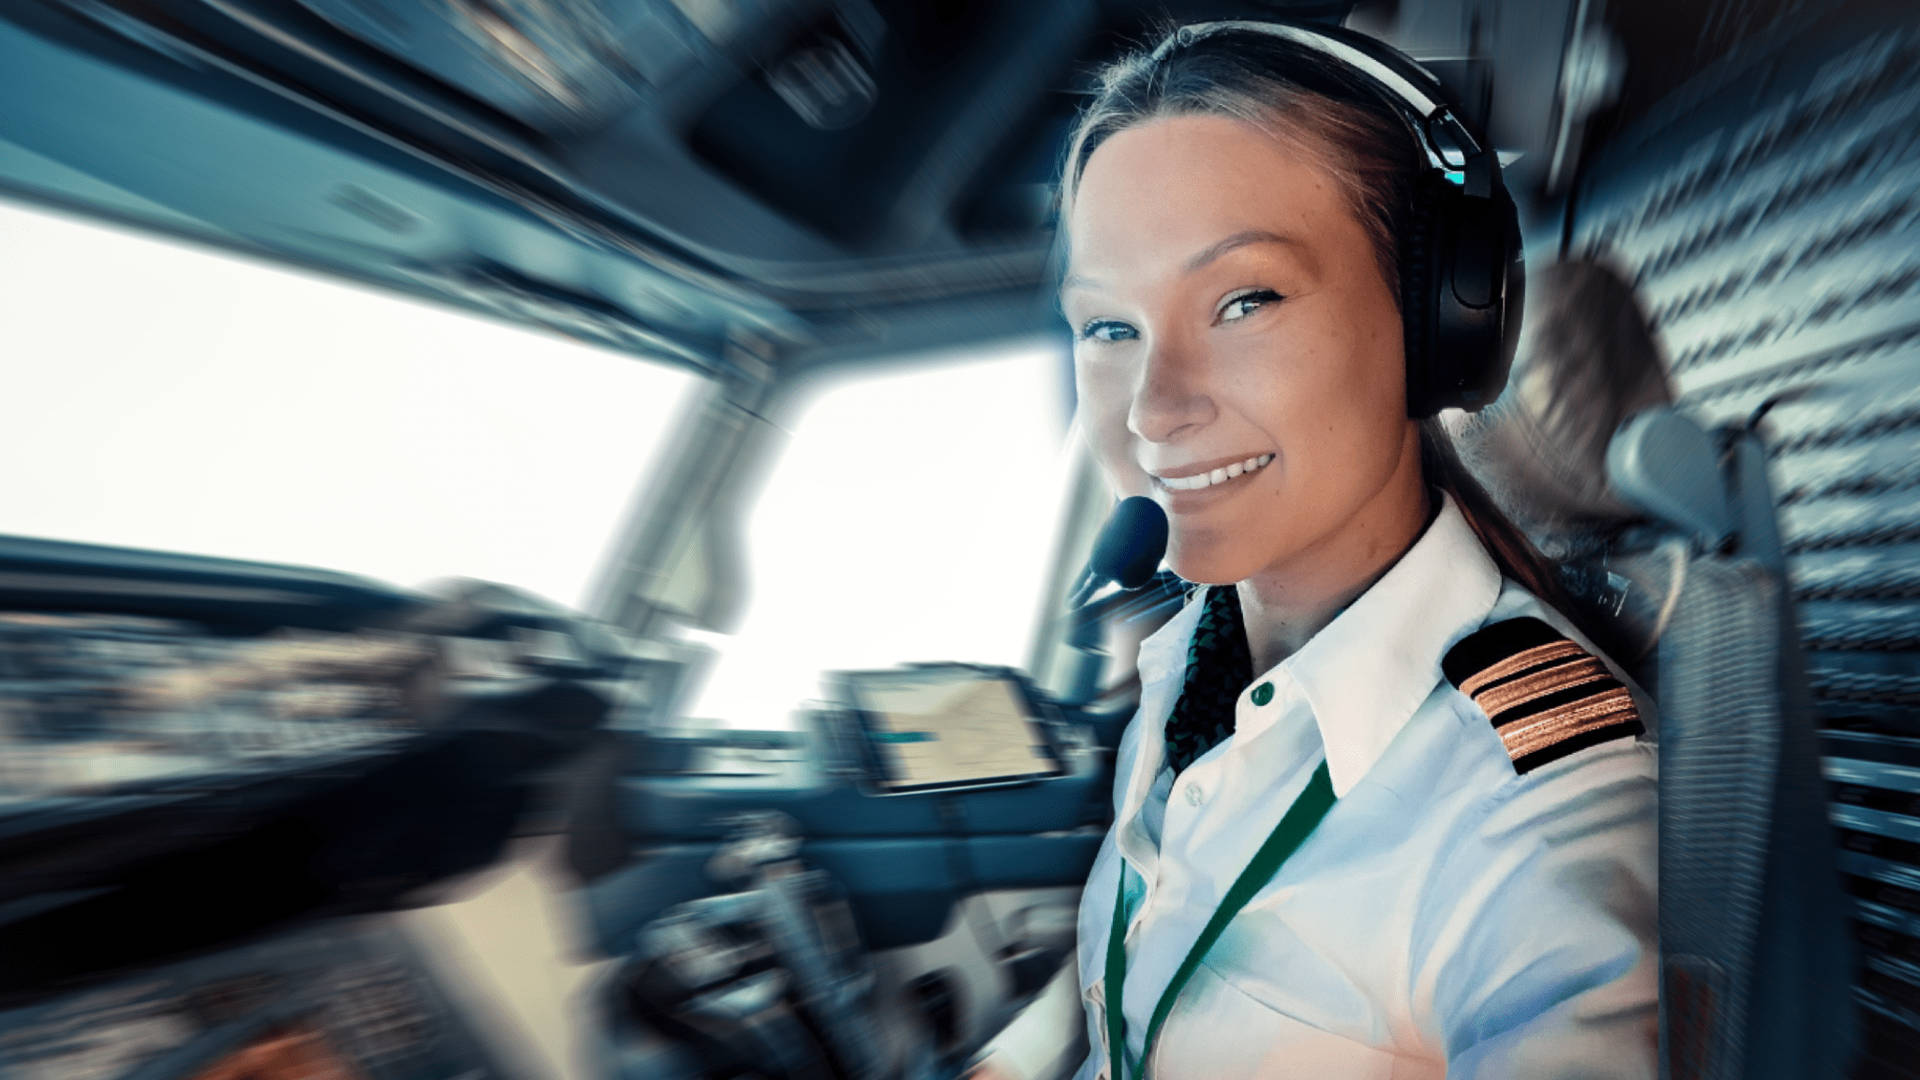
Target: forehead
1153,194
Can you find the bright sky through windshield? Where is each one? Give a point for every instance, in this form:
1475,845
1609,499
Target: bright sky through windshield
912,518
166,396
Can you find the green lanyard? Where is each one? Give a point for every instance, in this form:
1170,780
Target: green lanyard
1295,825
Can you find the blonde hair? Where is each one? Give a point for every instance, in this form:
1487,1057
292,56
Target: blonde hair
1320,108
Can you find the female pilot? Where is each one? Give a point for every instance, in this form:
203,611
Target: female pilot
1382,811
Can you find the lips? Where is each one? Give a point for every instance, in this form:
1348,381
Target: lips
1202,477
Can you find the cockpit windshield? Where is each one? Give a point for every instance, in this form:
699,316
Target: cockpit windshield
910,519
214,405
167,396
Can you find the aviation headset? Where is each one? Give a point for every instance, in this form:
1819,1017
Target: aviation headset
1462,278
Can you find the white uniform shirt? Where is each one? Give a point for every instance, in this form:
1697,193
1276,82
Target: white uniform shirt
1448,917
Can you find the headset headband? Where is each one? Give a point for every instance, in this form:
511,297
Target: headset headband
1411,89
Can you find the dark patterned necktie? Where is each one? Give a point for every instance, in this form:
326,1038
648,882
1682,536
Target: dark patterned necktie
1219,667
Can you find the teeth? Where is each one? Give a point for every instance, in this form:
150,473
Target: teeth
1217,476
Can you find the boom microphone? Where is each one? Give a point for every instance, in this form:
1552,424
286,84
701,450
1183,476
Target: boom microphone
1129,549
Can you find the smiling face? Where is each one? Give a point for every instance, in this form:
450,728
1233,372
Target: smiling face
1230,319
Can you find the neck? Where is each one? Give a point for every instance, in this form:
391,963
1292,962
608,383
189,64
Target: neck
1283,606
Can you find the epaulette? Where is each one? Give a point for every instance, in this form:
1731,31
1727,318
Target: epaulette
1546,696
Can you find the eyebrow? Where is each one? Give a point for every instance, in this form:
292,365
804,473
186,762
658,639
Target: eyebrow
1237,240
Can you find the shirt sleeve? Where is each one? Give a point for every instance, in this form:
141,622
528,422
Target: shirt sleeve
1047,1034
1545,963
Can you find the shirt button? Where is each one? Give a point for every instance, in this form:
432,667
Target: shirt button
1193,795
1263,693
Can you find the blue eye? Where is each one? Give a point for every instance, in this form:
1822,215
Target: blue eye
1253,297
1097,330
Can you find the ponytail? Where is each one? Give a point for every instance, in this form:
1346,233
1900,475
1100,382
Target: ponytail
1512,552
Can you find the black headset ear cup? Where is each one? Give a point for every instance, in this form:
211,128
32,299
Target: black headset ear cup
1507,269
1416,300
1462,277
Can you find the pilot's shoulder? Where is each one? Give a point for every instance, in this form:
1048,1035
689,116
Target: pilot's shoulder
1559,743
1544,694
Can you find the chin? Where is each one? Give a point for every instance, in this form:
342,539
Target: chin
1204,567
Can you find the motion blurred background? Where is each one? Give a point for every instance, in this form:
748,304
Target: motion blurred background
453,444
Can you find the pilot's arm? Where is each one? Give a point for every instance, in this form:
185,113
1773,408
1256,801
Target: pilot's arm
1546,961
1045,1038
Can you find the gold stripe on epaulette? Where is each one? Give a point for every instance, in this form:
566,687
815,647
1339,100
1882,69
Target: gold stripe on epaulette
1539,684
1536,733
1545,695
1539,654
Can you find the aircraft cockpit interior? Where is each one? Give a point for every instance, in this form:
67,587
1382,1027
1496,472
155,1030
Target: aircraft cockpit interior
549,538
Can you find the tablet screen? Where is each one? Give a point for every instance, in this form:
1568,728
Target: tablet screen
943,726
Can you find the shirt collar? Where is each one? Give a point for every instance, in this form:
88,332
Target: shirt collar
1163,653
1366,672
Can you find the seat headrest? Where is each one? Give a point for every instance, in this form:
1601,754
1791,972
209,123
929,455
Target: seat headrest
1587,361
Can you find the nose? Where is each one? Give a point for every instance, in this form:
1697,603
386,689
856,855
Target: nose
1171,395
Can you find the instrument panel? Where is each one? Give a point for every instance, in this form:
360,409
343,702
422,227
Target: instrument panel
92,701
347,1000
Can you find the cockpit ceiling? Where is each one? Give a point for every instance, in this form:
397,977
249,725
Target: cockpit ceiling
664,178
876,129
699,180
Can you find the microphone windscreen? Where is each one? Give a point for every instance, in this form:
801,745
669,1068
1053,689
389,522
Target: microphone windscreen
1132,543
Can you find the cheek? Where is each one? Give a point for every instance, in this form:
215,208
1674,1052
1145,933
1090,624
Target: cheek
1332,402
1348,380
1286,385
